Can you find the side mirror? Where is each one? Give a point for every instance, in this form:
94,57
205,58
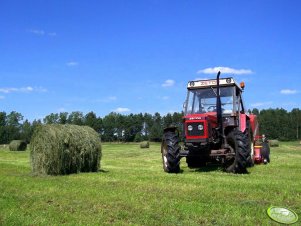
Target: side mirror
184,105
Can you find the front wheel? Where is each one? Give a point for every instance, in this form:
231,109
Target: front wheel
265,152
170,150
238,142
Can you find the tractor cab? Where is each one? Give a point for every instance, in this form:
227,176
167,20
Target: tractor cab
201,97
201,109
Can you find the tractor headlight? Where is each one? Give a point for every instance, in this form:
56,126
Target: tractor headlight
190,128
200,127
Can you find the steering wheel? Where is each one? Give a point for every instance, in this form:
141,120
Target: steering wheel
211,109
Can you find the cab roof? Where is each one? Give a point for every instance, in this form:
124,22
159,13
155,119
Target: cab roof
199,84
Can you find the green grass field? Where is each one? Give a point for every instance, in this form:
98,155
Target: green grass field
132,189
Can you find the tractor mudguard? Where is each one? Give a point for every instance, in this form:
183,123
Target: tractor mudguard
171,129
243,122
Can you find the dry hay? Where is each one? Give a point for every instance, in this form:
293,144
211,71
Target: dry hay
65,149
17,145
144,144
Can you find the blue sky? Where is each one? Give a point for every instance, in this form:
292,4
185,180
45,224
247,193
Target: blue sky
136,56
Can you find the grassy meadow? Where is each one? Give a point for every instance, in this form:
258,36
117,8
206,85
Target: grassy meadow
132,189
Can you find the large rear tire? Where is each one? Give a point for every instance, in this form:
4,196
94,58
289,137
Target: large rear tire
238,142
170,150
250,145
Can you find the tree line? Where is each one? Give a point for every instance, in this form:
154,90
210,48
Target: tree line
114,127
279,123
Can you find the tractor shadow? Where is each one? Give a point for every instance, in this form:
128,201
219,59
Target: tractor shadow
208,168
103,171
215,168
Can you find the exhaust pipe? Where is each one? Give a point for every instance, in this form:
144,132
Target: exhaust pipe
219,109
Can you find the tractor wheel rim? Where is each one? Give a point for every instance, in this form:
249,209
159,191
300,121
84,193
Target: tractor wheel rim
165,161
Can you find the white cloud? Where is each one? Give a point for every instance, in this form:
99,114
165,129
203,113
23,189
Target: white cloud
168,83
7,90
121,110
40,32
52,34
225,70
27,89
260,104
12,90
72,63
37,32
288,91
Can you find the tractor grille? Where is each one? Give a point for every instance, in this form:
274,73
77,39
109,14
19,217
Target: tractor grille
195,131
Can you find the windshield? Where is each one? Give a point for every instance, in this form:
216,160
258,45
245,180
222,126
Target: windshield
204,100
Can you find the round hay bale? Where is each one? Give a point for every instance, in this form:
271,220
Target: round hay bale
17,145
65,149
4,146
144,144
274,143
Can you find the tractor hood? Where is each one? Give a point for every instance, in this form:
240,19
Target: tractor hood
205,116
192,121
198,126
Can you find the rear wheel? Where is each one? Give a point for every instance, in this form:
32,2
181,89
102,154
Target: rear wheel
238,142
170,152
250,145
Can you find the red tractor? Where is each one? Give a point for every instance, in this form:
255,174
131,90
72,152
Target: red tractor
216,128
